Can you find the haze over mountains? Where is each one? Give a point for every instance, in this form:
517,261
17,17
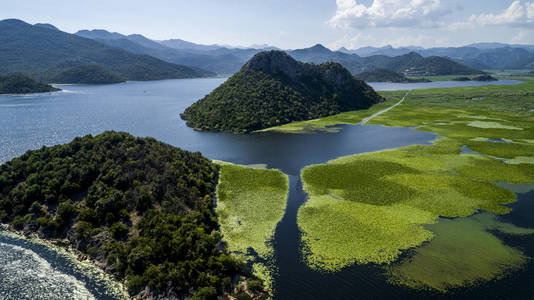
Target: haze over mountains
224,60
479,55
42,51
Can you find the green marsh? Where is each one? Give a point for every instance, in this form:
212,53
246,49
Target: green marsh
369,208
250,203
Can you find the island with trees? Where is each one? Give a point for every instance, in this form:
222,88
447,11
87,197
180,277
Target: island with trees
274,89
20,84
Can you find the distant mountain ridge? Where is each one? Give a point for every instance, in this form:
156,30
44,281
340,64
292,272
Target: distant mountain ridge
478,55
42,52
273,89
222,60
408,64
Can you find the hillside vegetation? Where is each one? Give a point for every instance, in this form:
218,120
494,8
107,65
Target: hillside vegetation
87,74
140,208
274,89
20,84
42,53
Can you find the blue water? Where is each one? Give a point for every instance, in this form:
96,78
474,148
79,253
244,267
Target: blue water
152,109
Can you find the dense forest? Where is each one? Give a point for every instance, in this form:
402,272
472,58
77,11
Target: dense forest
20,84
274,89
139,207
87,74
385,75
42,53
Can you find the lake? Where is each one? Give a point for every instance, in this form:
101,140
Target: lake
152,109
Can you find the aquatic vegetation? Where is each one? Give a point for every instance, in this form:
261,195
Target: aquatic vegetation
481,124
463,252
351,199
250,203
338,233
355,195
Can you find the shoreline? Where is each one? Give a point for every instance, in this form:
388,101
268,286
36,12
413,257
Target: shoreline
81,264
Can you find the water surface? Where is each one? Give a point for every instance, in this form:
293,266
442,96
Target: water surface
152,109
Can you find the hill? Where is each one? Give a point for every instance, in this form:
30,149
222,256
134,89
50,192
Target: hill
20,84
41,52
87,74
384,75
273,89
140,208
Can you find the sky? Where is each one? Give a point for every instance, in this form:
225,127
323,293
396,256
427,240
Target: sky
291,24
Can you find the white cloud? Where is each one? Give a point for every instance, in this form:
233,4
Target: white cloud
388,13
517,14
380,40
523,37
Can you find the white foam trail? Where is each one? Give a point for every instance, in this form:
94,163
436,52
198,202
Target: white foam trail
29,276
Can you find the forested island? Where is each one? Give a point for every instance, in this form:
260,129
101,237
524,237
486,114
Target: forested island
478,78
20,84
87,74
274,89
385,75
139,208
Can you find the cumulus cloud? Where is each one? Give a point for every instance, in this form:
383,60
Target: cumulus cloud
517,14
388,13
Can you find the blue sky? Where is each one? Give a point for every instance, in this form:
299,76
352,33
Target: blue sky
294,23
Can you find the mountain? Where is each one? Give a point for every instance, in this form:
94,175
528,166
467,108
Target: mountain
20,84
185,45
87,74
41,52
140,209
46,25
384,75
100,34
215,59
274,89
478,55
408,64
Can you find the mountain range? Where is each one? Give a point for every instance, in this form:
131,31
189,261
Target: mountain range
479,55
224,60
42,51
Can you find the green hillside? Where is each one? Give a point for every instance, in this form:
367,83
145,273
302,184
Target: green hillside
274,89
42,53
87,74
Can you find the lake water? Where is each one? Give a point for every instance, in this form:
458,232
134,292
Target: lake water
152,109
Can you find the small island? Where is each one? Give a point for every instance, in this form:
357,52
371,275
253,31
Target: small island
478,78
273,89
485,78
385,75
20,84
87,74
